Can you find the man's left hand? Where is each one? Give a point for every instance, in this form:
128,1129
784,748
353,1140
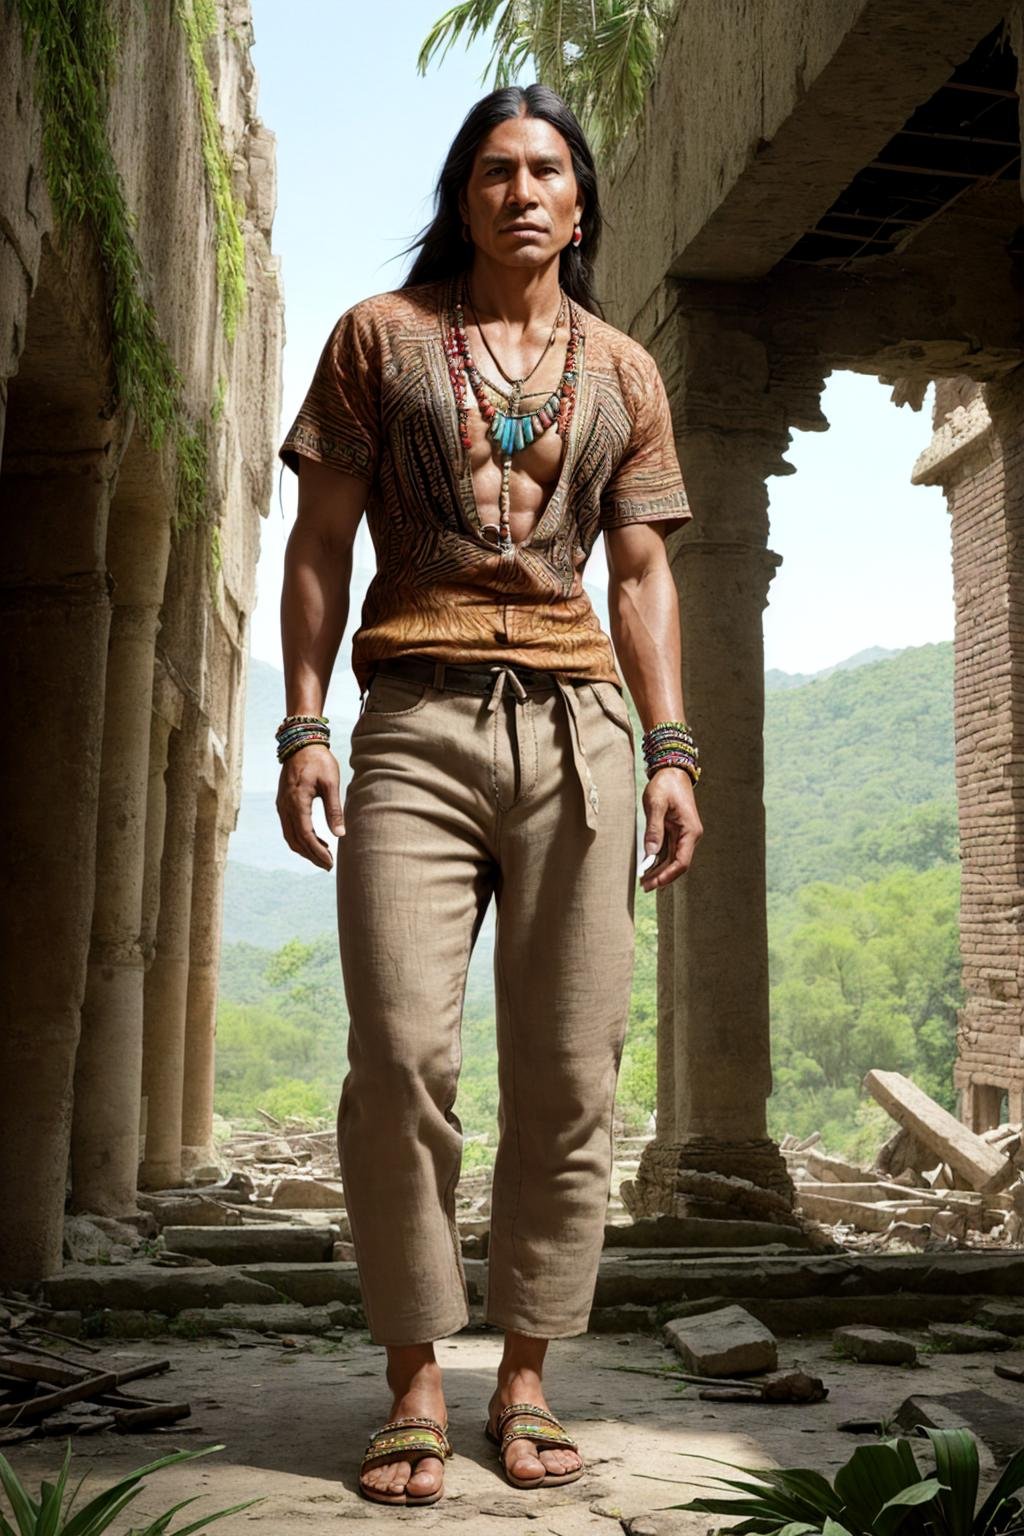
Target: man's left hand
673,826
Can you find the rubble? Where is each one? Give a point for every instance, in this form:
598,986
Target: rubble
875,1346
723,1343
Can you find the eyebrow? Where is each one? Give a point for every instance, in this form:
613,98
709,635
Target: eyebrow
494,158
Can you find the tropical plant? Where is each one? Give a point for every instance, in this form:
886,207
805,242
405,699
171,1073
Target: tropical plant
48,1515
599,55
879,1492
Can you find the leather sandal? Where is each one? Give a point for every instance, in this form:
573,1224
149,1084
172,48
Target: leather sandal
406,1439
545,1430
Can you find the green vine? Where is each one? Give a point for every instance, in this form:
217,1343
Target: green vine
198,20
75,45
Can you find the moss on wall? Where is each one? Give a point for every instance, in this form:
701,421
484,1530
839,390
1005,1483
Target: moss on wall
75,46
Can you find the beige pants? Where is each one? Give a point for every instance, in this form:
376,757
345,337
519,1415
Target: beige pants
454,798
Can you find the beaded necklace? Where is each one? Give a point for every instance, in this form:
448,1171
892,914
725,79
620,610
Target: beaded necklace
512,432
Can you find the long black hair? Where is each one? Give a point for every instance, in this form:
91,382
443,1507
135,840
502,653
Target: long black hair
444,253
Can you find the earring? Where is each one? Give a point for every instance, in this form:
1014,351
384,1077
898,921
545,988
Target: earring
577,236
466,234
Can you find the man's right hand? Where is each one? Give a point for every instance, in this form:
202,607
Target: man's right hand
308,774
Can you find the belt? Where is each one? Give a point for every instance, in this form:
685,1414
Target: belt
522,681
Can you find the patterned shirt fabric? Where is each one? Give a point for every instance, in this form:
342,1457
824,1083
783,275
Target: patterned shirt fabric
381,407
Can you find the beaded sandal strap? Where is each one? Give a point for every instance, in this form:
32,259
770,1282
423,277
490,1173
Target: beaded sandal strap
547,1426
407,1434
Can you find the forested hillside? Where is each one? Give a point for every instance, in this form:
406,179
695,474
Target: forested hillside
862,913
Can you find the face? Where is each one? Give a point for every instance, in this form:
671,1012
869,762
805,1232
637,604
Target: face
522,201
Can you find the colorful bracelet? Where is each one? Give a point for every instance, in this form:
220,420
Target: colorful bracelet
670,744
297,731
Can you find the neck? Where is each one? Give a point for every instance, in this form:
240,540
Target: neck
518,296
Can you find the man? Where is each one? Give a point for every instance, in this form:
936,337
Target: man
490,424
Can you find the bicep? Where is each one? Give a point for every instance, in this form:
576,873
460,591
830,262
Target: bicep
331,502
634,550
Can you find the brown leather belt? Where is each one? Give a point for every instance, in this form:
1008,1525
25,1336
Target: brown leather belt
443,674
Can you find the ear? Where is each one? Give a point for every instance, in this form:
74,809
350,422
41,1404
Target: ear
579,211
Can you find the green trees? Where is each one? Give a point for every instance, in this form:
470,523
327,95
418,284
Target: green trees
599,55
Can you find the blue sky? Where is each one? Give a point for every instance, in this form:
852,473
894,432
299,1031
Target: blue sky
360,140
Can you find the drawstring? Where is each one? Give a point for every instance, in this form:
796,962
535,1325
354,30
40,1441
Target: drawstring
498,690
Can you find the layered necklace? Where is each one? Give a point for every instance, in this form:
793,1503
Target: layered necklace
506,426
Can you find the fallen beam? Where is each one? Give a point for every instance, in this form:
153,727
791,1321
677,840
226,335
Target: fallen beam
983,1167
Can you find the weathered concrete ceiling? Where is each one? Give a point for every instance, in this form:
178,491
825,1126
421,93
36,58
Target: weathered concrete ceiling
762,112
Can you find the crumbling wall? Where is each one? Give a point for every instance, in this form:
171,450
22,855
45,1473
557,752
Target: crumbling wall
127,576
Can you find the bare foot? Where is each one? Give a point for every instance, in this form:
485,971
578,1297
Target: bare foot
417,1390
521,1456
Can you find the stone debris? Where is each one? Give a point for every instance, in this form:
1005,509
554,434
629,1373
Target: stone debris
1005,1316
727,1342
933,1185
875,1346
966,1339
983,1165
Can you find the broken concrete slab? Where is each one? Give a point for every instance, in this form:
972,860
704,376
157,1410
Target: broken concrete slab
983,1167
308,1194
875,1346
276,1242
283,1318
966,1339
729,1342
85,1287
1005,1316
996,1423
834,1170
698,1232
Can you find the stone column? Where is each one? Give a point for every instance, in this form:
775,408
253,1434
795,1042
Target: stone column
166,984
712,1155
211,851
108,1070
54,622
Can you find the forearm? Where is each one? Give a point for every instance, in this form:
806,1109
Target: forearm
314,612
644,620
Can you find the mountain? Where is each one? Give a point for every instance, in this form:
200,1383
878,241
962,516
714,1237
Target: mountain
774,678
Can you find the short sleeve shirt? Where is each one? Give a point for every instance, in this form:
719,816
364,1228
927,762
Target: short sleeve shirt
381,407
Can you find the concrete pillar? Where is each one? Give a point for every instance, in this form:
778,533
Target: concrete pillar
108,1070
211,851
712,1155
54,621
166,984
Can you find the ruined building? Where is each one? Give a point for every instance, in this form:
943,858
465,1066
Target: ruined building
139,370
818,187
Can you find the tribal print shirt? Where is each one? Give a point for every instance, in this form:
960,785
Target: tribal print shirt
380,406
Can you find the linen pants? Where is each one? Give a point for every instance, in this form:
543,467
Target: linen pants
453,798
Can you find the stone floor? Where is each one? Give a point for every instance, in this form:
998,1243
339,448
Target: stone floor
294,1421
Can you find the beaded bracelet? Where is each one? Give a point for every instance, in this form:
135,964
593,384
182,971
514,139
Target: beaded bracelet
297,731
670,744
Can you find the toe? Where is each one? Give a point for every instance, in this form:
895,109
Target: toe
427,1476
558,1461
522,1459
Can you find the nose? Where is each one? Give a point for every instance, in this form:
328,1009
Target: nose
520,188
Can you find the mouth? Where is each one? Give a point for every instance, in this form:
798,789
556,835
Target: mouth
523,229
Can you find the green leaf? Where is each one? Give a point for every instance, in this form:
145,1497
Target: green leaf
221,1514
85,1523
956,1465
892,1514
1011,1478
833,1528
871,1477
24,1508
